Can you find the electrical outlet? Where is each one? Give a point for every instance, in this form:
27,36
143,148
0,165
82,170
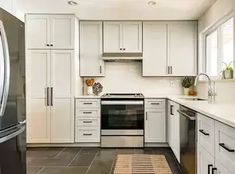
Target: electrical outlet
172,83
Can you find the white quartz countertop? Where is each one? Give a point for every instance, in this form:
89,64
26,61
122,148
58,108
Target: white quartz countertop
223,112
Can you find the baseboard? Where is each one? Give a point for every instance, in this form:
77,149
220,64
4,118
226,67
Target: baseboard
65,145
156,145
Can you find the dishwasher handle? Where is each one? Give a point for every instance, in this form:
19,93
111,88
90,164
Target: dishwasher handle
186,115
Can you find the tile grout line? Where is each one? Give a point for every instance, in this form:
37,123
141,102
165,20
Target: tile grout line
92,162
40,170
59,153
74,158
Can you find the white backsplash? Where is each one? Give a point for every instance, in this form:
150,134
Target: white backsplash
225,90
126,77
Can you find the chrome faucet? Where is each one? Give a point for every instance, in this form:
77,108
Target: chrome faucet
211,87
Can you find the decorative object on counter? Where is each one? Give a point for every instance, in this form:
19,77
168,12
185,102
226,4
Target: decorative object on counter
228,70
187,82
90,83
97,88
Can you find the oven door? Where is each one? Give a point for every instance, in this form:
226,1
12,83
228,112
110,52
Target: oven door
122,116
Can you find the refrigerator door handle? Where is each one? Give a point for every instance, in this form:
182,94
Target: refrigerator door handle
14,134
6,82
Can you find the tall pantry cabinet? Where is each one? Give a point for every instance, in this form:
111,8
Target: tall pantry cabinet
50,67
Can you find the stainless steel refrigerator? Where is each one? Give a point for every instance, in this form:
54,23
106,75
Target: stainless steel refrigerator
12,95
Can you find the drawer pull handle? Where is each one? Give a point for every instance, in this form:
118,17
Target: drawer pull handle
87,112
155,103
209,168
203,132
87,134
213,170
87,103
226,148
87,121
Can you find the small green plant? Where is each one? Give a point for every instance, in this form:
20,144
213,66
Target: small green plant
229,66
187,82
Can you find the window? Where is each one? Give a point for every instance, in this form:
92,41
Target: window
219,48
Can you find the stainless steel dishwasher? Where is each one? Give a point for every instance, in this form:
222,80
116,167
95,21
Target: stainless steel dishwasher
187,140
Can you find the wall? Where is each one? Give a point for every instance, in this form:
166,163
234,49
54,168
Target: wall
225,89
127,77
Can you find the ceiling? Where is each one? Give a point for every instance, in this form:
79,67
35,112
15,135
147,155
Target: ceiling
120,9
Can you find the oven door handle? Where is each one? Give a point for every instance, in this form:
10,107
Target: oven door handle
122,102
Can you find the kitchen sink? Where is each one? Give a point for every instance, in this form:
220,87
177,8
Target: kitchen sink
193,99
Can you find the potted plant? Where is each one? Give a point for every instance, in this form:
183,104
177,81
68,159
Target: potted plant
228,70
187,82
90,83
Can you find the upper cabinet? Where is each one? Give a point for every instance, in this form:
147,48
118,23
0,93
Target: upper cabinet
182,48
91,63
154,49
168,47
122,37
50,31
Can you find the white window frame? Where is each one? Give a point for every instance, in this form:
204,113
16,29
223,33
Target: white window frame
217,26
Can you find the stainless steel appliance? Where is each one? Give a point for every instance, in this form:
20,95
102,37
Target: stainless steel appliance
122,120
187,140
12,95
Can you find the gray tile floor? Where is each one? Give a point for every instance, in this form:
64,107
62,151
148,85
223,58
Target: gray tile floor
85,160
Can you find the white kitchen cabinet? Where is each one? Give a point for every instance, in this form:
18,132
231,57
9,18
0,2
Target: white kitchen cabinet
50,31
37,32
168,47
182,48
122,37
50,79
154,49
224,148
173,128
87,125
205,161
38,117
155,121
91,63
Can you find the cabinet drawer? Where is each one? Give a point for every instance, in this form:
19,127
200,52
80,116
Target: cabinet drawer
87,135
206,133
87,122
225,146
87,113
87,103
154,104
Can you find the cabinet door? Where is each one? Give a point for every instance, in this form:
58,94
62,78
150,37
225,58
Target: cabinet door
38,31
38,111
205,162
62,121
154,49
170,123
225,147
62,83
176,131
62,31
155,129
220,169
132,37
183,48
112,37
91,63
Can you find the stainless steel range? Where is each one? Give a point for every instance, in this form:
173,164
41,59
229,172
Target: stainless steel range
122,120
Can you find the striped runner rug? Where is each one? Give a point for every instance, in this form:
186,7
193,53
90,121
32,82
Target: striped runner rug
141,164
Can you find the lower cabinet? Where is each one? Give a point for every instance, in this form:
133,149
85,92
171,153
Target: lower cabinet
155,121
173,128
87,124
205,161
221,138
